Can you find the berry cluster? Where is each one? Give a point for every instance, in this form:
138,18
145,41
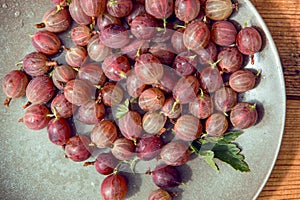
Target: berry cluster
141,72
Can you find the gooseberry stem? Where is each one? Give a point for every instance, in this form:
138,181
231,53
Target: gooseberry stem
165,25
122,74
193,57
213,65
85,164
174,105
65,48
253,107
26,105
133,163
201,93
179,26
40,25
7,101
51,63
117,167
258,73
252,59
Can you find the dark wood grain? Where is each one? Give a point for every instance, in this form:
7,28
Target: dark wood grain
284,182
283,20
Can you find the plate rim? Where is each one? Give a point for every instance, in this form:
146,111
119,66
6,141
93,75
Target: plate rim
280,71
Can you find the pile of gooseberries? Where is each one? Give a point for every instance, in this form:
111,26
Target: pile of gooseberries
139,72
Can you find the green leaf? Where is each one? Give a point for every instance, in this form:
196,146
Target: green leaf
208,156
209,139
126,103
122,109
230,153
230,137
221,148
195,146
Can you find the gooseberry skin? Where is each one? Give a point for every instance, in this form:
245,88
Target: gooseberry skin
113,186
93,73
14,85
159,194
91,112
78,91
105,163
46,42
165,176
186,89
106,19
163,52
77,13
115,67
59,131
188,128
114,36
55,21
62,107
138,9
148,68
119,8
130,125
151,99
143,27
160,10
185,63
135,48
196,35
153,122
35,117
134,85
216,125
93,8
40,90
202,2
231,59
77,148
63,74
62,3
123,149
37,64
104,134
207,55
164,33
177,41
244,115
81,34
223,33
242,80
168,80
97,50
187,10
225,99
210,79
148,147
218,9
201,107
169,111
111,94
175,153
76,56
249,41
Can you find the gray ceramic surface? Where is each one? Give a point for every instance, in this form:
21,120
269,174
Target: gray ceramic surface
33,168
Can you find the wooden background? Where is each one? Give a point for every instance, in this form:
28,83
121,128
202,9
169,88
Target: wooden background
283,20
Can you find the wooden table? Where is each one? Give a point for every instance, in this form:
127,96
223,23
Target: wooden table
283,20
